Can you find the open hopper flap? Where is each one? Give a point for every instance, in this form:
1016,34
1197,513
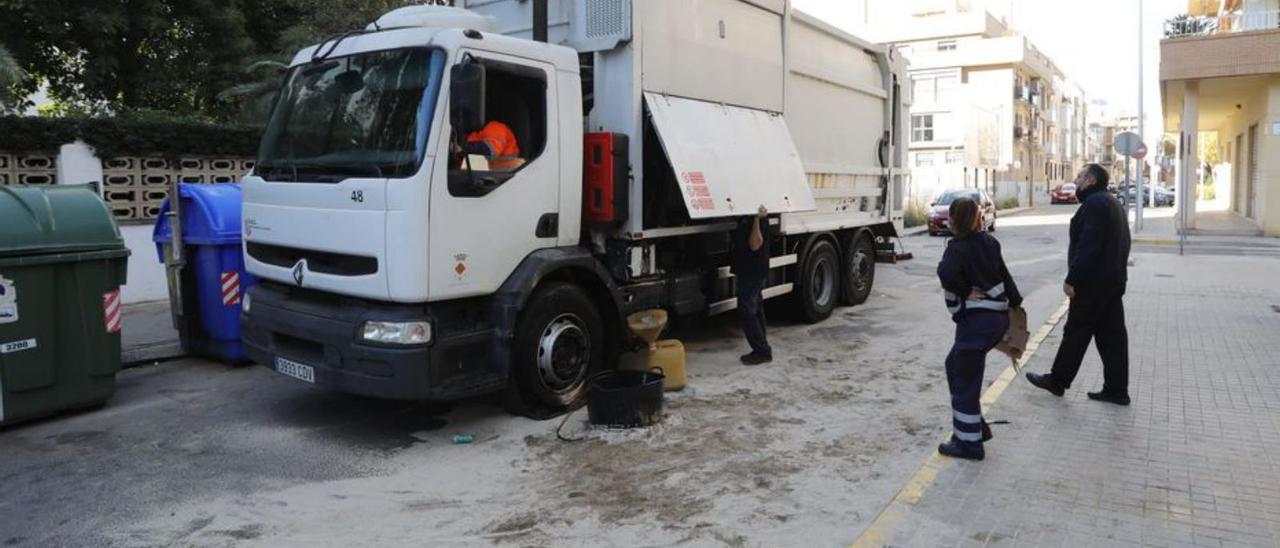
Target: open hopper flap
730,160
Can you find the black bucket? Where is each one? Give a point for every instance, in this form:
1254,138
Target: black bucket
625,399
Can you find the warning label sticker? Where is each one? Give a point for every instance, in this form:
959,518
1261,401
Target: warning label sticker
695,187
8,301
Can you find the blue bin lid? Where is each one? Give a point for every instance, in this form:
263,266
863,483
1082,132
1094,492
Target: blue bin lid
210,215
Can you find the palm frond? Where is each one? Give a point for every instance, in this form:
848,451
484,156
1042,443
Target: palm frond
249,89
266,63
10,71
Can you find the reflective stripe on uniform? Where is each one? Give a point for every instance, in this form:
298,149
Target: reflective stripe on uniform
968,436
996,291
966,418
998,306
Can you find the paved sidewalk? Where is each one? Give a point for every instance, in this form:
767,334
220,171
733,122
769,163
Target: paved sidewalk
1195,461
1219,232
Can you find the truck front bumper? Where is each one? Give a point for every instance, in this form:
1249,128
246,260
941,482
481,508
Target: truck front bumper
296,327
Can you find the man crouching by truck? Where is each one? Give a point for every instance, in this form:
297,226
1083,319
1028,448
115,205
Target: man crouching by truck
751,268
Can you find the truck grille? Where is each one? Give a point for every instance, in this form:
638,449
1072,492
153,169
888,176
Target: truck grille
336,264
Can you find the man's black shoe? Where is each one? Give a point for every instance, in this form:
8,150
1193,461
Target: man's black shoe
960,450
1046,382
755,359
1119,398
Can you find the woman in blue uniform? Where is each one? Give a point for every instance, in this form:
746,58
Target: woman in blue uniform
979,292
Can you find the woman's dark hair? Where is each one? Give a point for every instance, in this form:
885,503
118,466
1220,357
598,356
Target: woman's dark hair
1099,174
964,217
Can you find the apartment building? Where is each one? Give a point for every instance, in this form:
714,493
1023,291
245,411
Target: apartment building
1220,72
990,110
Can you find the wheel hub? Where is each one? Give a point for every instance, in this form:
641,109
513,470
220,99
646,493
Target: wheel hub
564,353
822,283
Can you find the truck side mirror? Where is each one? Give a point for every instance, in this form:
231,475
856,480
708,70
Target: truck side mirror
467,97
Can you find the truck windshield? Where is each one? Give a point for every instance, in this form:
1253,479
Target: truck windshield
363,115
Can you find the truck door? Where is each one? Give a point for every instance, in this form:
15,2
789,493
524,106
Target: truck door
488,215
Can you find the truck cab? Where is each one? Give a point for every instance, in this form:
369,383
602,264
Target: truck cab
364,210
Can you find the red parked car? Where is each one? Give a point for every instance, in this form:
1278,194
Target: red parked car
1064,194
940,214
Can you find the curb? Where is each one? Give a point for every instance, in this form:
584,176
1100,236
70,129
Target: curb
149,354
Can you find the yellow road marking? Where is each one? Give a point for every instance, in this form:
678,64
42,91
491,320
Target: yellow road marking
1146,241
878,532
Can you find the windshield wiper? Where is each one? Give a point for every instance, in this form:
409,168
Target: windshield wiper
323,172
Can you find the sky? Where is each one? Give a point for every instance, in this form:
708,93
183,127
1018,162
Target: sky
1094,42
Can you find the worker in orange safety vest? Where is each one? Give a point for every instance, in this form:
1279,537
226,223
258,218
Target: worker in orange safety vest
496,142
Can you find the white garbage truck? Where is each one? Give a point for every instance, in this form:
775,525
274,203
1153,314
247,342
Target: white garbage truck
397,262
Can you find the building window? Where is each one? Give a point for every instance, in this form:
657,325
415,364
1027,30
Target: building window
947,45
955,157
924,159
922,128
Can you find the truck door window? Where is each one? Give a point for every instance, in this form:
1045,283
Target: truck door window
514,135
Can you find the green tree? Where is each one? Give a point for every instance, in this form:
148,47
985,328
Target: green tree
218,59
122,55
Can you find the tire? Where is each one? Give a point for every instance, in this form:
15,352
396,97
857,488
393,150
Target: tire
992,228
819,282
858,270
559,343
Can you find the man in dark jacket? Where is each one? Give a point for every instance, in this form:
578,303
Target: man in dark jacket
751,268
1097,274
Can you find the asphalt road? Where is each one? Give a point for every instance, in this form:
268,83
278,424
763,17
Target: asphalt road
806,450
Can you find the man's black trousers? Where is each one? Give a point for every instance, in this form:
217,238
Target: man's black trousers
1096,314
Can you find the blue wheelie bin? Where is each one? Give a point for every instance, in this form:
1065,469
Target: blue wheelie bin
212,280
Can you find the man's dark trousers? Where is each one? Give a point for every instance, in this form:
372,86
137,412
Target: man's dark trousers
1096,314
751,312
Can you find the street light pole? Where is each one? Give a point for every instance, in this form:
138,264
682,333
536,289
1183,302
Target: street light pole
1141,199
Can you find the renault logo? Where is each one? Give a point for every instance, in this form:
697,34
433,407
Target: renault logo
298,270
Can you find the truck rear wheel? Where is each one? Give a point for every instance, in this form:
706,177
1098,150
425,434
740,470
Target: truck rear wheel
559,342
819,282
859,270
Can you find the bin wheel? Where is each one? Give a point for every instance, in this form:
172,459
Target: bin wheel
859,273
819,282
559,342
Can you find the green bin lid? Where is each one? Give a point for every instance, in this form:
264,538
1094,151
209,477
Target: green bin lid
38,220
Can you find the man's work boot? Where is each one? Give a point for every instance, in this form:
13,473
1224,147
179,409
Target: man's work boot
1046,382
755,359
1118,398
961,450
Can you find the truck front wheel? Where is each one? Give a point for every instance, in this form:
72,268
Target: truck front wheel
819,282
559,342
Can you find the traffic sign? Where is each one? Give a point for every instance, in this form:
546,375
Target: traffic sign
1129,144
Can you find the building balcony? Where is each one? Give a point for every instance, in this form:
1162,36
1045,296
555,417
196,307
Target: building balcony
1244,46
1227,23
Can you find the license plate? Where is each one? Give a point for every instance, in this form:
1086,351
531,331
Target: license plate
296,370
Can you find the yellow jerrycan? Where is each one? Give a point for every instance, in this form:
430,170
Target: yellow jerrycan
667,355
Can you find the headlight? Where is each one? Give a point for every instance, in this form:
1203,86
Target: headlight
397,332
245,302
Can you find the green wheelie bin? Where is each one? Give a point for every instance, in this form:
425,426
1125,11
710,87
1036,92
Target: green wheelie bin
62,262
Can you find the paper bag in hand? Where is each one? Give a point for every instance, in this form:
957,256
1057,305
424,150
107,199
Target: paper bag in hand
1015,339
